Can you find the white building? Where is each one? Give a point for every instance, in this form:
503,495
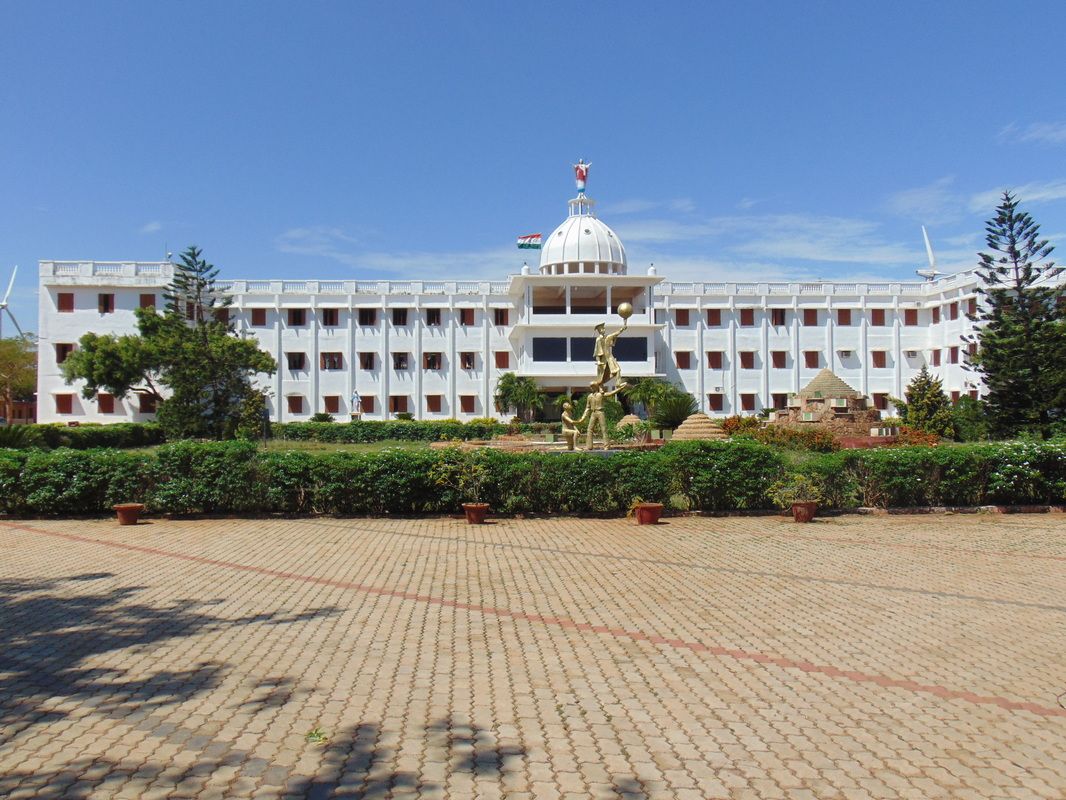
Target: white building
436,348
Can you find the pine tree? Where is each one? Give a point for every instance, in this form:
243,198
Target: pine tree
926,408
192,292
1021,343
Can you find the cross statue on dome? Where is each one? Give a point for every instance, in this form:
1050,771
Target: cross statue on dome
581,174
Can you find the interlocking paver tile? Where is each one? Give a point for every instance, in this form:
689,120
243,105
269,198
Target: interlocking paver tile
719,658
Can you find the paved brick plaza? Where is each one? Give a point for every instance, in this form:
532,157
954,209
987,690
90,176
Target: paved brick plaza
861,657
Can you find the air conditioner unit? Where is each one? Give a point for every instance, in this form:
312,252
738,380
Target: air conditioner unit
794,402
808,416
910,353
845,353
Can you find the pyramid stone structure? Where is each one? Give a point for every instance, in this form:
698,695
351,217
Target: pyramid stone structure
629,419
698,426
829,401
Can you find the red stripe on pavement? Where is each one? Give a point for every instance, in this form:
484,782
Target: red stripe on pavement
562,622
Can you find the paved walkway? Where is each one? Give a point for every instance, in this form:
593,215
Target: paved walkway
859,657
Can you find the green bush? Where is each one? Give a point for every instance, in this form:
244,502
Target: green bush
122,435
237,478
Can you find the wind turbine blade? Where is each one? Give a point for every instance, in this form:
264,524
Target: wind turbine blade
10,283
15,321
929,249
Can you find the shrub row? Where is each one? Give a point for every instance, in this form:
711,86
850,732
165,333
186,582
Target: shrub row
83,437
236,478
364,431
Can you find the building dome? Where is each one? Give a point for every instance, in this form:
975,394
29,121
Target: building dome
582,244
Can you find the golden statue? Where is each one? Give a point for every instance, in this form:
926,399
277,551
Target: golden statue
594,410
570,431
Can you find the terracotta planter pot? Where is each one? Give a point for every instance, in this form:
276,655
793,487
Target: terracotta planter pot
803,512
648,513
475,512
128,513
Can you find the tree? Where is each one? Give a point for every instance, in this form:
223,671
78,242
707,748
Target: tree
926,408
18,372
648,392
971,424
674,409
521,394
188,358
1021,340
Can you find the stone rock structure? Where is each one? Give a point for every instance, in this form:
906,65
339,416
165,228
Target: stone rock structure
830,402
698,426
629,419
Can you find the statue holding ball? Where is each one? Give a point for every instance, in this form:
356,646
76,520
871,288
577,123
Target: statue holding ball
607,367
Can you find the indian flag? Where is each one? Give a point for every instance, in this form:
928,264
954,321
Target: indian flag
531,241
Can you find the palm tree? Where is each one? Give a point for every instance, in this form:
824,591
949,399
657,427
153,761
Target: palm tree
649,392
521,394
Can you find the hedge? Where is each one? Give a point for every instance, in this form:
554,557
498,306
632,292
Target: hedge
122,435
237,478
363,431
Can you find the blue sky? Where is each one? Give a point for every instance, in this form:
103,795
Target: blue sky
336,140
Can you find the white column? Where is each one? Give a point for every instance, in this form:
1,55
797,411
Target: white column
316,366
864,354
283,364
420,327
386,361
731,348
453,400
701,387
764,352
353,359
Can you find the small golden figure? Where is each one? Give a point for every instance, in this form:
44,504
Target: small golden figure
570,431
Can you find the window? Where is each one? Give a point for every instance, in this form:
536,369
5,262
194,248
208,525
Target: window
331,403
936,314
499,316
65,302
296,404
466,360
715,401
466,316
747,317
971,308
434,402
190,311
779,359
297,317
681,317
810,316
971,349
747,402
879,359
811,359
63,349
331,318
433,317
399,361
843,316
147,301
399,316
953,355
105,303
954,397
936,358
877,316
146,403
432,360
296,361
503,359
64,404
259,317
466,403
221,315
714,359
105,403
684,359
367,403
953,311
747,359
973,394
366,361
398,403
910,316
880,401
368,317
780,401
777,316
714,317
331,360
